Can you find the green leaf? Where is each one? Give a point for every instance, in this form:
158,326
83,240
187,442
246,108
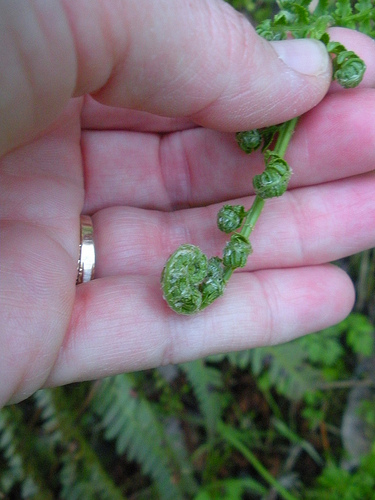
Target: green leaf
206,381
132,421
343,8
23,465
285,368
364,5
336,483
324,348
231,489
81,473
360,334
321,8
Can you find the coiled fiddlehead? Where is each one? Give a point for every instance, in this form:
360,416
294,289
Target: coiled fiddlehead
274,180
348,68
236,251
230,217
249,140
190,281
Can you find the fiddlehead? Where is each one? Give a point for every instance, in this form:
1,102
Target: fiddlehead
236,251
230,217
274,180
348,68
190,281
249,140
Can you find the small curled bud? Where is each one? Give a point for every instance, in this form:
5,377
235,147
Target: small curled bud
348,68
274,180
350,73
230,217
249,140
236,251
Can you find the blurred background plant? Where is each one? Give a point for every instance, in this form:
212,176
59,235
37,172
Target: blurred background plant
295,421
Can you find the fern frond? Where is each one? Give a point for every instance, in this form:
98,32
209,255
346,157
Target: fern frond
287,369
132,422
205,381
17,447
82,474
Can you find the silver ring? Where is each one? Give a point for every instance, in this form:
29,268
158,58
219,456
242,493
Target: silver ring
86,261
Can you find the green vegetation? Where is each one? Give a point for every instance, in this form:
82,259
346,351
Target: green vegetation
259,424
233,426
190,280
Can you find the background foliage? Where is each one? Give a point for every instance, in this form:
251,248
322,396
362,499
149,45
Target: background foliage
295,421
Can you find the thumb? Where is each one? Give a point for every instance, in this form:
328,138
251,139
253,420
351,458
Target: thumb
198,59
203,60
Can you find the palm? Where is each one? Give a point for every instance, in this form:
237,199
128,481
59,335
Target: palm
134,180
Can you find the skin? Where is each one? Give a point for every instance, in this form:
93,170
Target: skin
126,114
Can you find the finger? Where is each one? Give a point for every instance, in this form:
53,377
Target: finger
99,117
198,59
123,324
212,63
307,226
200,166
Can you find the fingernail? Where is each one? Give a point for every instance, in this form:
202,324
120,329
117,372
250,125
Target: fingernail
307,56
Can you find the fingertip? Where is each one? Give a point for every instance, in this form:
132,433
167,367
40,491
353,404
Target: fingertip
306,56
346,288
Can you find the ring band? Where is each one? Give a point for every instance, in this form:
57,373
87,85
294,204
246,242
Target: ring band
86,262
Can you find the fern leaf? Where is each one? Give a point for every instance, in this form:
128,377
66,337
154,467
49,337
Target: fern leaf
82,474
132,422
343,8
205,381
289,372
284,367
17,445
321,8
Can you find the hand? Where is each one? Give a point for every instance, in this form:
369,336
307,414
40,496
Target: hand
153,169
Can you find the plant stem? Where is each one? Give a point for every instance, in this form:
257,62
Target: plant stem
250,220
285,134
252,216
231,437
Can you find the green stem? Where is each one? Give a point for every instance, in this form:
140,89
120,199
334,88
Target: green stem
231,437
285,134
227,274
252,216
